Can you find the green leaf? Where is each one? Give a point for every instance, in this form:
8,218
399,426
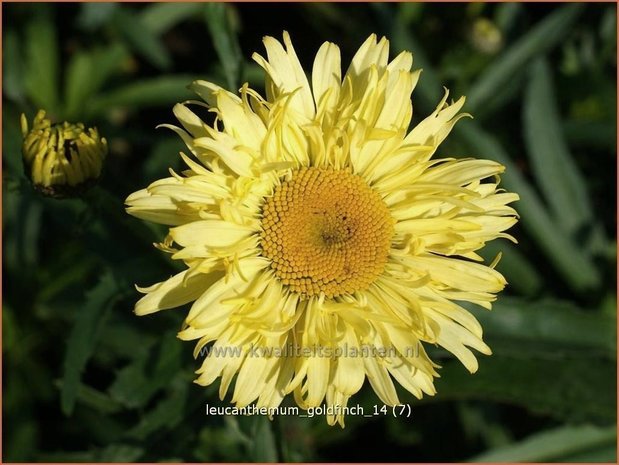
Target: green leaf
146,93
214,444
511,91
568,258
566,388
225,41
160,17
94,15
73,273
83,337
561,444
13,67
86,74
120,453
548,328
97,400
543,37
141,39
78,84
30,231
109,61
428,89
549,357
263,447
41,78
506,15
557,175
139,381
167,414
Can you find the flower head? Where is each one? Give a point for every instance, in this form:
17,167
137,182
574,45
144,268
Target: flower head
316,228
61,159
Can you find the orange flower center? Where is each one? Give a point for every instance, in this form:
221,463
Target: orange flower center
326,231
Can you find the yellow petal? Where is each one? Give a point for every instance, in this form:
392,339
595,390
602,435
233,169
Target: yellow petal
174,292
327,77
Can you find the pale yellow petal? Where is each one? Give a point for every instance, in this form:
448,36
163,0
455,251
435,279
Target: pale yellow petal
211,233
380,380
287,74
327,77
173,292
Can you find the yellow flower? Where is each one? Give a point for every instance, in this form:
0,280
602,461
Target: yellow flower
323,244
61,159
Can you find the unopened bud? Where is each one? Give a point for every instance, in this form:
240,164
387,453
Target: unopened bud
63,159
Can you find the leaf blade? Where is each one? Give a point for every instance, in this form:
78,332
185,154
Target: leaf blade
160,17
225,41
83,338
553,166
541,38
42,62
148,92
576,267
555,445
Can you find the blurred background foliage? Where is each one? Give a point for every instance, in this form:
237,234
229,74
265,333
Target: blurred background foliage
86,380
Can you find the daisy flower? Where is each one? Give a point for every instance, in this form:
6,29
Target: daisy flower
323,244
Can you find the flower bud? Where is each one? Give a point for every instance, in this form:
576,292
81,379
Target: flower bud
63,159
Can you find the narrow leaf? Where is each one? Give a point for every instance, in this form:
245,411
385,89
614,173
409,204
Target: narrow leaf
160,17
120,453
94,15
78,84
141,39
41,78
13,67
556,445
165,416
549,328
139,381
575,389
225,41
83,337
150,92
543,37
86,74
263,447
576,267
109,61
554,169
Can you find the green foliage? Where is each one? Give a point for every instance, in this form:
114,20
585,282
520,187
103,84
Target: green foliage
87,380
218,20
141,39
83,337
146,93
550,324
160,17
576,267
565,191
151,371
42,61
514,60
564,444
